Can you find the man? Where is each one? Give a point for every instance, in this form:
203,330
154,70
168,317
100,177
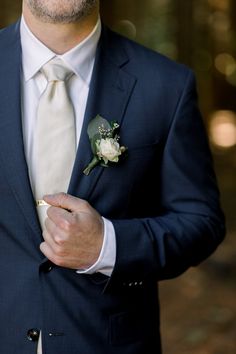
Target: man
82,278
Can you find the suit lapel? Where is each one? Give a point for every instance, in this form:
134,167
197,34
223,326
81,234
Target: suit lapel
11,140
109,94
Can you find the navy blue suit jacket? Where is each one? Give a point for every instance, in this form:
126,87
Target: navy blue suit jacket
162,199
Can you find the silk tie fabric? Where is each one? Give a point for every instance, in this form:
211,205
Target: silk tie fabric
55,141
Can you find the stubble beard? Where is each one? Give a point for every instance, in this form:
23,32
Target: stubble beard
61,11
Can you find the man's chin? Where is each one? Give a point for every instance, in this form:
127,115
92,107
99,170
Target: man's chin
61,11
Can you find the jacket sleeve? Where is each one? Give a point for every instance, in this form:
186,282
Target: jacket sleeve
191,224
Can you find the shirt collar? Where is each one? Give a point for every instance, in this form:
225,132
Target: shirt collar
80,58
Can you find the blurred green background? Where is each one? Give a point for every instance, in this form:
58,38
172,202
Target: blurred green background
198,308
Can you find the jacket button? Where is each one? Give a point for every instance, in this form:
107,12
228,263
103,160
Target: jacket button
47,267
33,334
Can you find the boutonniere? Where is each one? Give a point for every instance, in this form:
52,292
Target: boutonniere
104,143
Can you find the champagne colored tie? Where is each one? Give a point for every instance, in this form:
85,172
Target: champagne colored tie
55,145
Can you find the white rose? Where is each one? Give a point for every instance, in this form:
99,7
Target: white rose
108,149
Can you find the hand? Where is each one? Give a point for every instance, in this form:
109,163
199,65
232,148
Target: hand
73,234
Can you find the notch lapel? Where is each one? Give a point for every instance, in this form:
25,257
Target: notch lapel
11,139
109,94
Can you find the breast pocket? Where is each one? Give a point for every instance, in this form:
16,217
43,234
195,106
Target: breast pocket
143,163
128,181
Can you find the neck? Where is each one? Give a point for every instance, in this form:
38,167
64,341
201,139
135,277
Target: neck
60,38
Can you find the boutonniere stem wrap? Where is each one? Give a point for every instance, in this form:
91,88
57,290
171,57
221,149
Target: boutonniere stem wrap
104,143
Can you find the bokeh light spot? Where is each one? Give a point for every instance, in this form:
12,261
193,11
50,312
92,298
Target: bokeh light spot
223,129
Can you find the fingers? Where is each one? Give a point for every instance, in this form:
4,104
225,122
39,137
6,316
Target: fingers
73,238
66,210
54,242
52,234
55,257
66,201
60,217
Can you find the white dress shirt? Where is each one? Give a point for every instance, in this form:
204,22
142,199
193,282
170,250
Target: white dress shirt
80,60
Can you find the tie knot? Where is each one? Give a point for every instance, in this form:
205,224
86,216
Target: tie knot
55,70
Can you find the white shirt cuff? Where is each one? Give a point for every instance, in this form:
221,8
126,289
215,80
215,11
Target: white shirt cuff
107,257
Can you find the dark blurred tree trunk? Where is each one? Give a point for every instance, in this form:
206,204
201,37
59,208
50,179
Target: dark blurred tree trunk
233,23
114,10
9,11
2,13
185,30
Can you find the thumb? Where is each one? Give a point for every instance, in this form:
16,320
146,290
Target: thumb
64,201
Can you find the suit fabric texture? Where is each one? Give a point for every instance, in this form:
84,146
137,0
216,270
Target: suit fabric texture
162,199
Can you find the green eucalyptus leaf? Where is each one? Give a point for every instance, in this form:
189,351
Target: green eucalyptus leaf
93,140
93,127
